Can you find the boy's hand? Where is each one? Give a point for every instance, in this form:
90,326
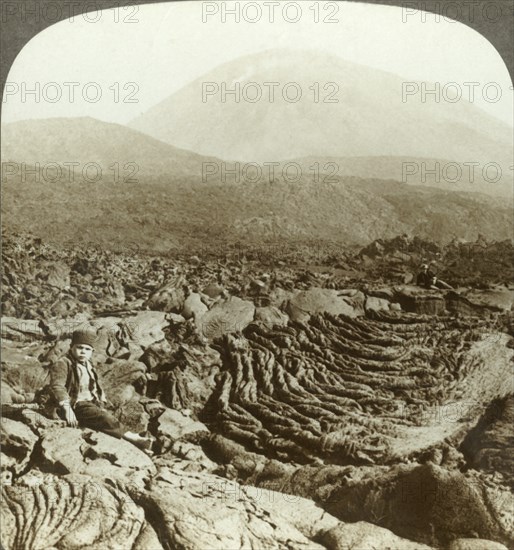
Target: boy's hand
69,416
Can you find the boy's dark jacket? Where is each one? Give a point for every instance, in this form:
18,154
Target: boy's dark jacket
64,382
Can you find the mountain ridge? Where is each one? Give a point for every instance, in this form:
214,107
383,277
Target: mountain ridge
169,204
86,139
369,118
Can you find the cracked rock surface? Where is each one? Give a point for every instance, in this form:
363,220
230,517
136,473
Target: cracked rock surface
292,407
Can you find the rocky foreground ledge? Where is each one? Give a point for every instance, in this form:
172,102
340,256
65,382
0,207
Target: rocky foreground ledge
291,416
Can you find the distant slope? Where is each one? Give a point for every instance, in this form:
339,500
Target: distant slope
440,173
161,216
87,140
125,153
369,119
170,206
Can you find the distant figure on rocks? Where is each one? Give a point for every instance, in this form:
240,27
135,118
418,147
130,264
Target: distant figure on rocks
425,276
75,387
427,279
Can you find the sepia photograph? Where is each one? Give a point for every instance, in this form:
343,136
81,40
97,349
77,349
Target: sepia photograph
257,275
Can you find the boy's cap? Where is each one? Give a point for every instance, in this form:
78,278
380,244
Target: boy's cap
85,337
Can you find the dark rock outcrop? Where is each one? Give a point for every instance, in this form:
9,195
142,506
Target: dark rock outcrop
318,430
357,391
490,445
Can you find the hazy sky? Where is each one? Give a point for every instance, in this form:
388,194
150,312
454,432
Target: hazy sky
145,53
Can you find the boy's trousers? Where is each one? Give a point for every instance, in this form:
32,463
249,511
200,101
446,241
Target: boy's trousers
90,415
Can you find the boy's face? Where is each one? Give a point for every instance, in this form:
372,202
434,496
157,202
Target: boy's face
82,352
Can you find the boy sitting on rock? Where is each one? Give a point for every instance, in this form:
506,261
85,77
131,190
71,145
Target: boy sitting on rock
75,387
427,279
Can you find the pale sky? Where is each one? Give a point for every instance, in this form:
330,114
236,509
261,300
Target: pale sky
168,45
